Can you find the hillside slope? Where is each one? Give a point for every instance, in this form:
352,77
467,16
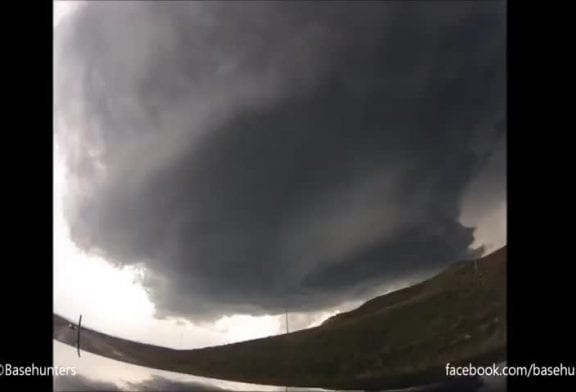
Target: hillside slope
401,339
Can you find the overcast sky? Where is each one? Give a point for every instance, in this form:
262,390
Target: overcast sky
219,162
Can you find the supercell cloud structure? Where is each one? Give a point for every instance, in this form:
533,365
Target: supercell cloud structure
257,155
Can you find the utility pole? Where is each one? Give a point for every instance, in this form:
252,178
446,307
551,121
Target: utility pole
478,275
78,336
286,315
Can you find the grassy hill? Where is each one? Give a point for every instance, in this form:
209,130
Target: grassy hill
401,339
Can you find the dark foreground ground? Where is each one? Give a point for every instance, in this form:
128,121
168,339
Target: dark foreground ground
401,339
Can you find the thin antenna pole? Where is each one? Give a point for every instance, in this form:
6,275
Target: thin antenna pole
78,336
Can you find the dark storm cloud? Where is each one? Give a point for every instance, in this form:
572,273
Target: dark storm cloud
257,155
